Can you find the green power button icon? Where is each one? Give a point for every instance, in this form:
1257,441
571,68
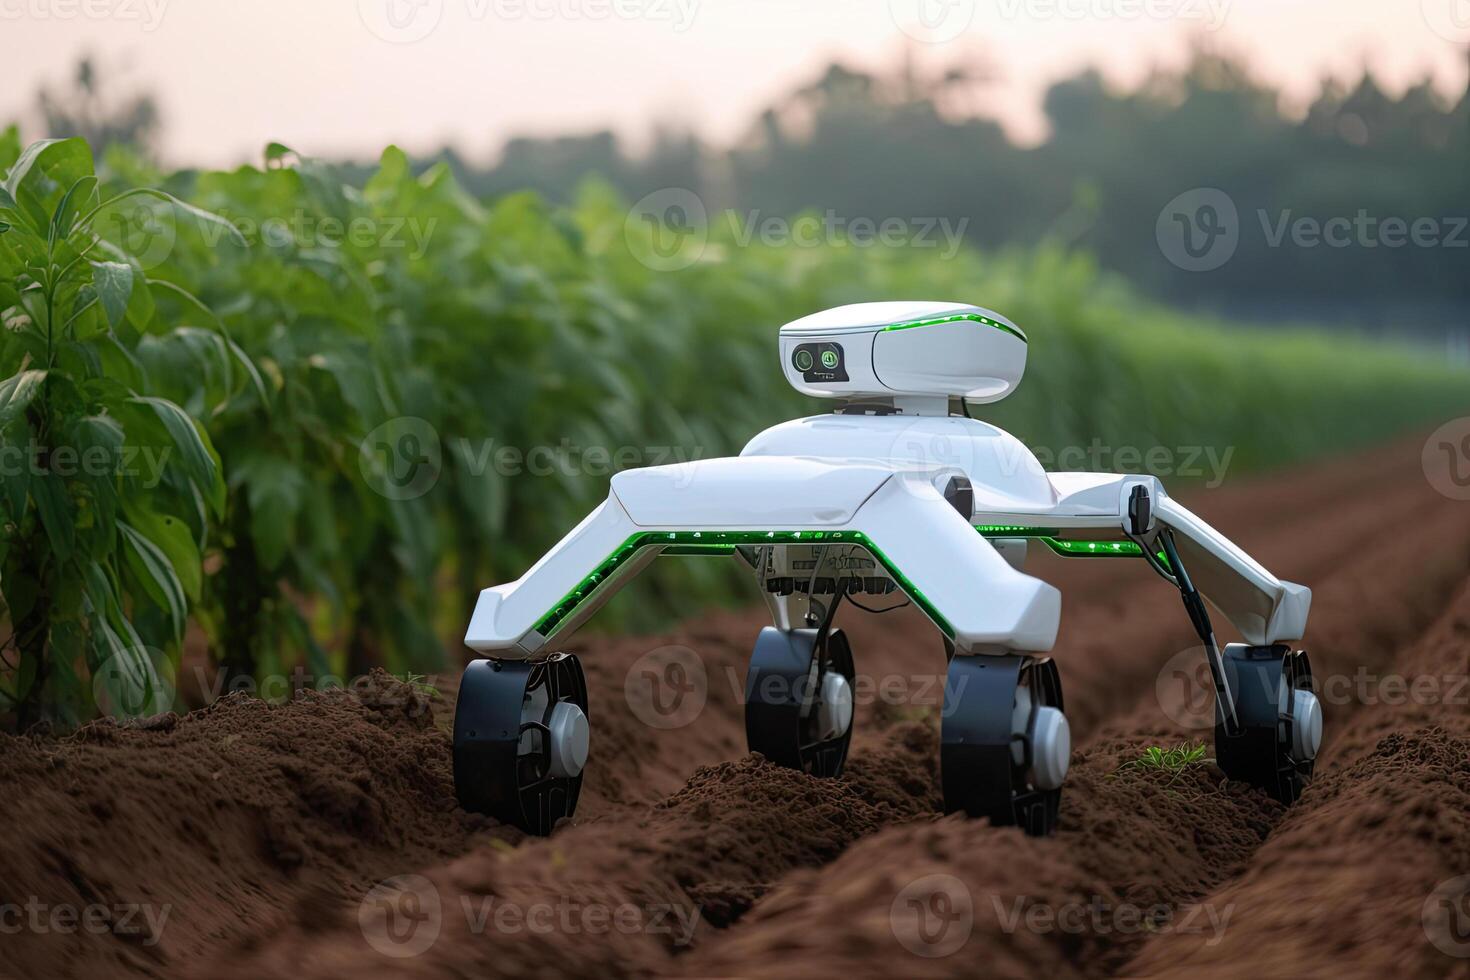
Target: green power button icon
803,360
829,359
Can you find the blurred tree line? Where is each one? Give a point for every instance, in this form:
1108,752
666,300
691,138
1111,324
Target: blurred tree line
912,145
916,145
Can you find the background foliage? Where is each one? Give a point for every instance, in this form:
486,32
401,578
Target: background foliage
283,331
913,143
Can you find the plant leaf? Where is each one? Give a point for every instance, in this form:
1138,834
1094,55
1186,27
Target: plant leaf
124,672
189,438
175,540
17,392
157,575
114,284
53,503
45,169
66,212
208,219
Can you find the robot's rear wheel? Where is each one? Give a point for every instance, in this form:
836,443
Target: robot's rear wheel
1005,743
520,740
1280,720
798,699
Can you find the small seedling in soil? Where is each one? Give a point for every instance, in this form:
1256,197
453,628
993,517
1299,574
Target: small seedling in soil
1175,761
418,683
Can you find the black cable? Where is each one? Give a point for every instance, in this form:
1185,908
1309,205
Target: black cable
1199,618
879,612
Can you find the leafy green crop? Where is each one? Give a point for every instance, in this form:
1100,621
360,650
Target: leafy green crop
377,400
109,489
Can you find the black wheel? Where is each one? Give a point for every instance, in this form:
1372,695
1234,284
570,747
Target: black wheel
520,740
1280,720
798,700
1005,743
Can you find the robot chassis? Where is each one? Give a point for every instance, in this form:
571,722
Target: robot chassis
891,494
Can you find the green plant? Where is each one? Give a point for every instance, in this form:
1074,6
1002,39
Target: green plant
1173,762
108,489
418,683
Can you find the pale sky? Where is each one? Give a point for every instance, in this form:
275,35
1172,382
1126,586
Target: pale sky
337,77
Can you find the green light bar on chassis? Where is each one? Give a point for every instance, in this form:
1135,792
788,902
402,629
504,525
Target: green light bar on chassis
1068,547
975,317
725,542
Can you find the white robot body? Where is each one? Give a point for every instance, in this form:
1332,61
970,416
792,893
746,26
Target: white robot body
892,495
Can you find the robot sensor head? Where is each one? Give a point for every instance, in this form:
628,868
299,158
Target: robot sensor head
905,350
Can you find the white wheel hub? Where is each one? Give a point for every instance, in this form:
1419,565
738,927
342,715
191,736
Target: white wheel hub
834,706
569,738
1051,748
1306,729
1050,737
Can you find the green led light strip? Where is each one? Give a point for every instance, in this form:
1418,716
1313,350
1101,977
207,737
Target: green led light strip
715,542
975,317
1093,549
1068,547
1014,531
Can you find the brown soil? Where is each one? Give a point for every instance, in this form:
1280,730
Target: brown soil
321,838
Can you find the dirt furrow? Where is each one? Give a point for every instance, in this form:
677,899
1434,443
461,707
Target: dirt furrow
1367,875
1092,928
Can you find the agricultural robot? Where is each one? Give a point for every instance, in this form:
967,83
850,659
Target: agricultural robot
894,496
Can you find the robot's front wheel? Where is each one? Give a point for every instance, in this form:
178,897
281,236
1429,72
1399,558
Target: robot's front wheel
798,699
1280,720
520,740
1005,743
